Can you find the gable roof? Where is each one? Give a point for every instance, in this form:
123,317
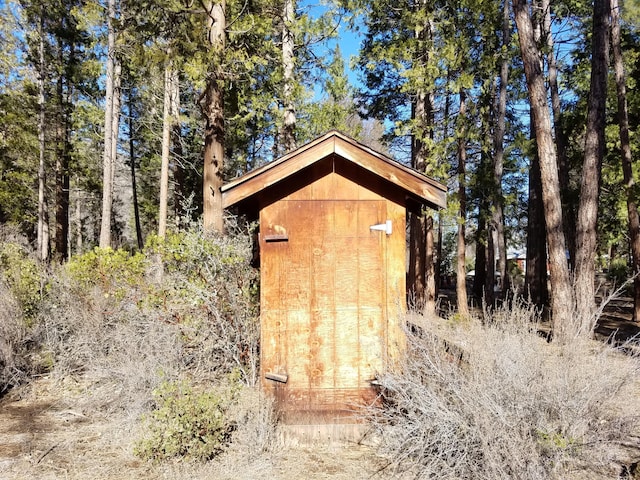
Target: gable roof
417,186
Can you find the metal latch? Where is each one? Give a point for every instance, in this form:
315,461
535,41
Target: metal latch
383,227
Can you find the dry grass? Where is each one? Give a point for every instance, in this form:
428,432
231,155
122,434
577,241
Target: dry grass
496,401
49,430
12,337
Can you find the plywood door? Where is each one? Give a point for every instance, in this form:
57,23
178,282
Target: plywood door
324,302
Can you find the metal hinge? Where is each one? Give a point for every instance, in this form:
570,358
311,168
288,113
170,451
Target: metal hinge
383,227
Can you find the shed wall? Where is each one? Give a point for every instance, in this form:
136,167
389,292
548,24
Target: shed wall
332,292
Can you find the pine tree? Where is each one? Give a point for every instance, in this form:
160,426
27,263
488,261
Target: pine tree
627,158
562,298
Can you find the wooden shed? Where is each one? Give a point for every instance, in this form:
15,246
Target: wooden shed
332,248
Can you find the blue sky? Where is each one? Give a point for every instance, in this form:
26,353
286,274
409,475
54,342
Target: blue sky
348,40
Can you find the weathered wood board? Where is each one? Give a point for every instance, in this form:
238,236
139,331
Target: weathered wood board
325,313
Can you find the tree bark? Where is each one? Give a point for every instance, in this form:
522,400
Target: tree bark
132,166
109,113
627,158
421,281
562,299
79,238
480,265
422,284
417,255
586,234
63,153
488,188
179,192
461,260
430,270
212,105
43,214
289,121
568,211
166,146
536,267
497,214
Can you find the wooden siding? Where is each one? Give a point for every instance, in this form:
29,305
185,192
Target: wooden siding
332,291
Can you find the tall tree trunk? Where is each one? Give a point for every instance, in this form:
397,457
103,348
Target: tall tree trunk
417,254
586,237
115,128
212,104
536,267
166,146
289,122
422,284
430,270
43,213
62,160
78,217
109,113
562,299
497,214
536,280
461,272
418,226
568,211
627,159
132,166
486,204
480,265
176,140
490,274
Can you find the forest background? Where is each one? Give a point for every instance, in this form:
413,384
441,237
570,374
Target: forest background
119,120
129,316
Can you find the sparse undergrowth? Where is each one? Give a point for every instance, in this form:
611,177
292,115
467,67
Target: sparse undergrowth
496,401
126,325
470,401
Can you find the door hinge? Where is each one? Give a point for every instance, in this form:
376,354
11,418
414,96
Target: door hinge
383,227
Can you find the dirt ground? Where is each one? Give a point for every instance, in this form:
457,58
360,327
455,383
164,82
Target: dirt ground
48,432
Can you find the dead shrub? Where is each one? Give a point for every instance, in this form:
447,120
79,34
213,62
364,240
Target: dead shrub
255,417
210,288
12,336
496,401
107,319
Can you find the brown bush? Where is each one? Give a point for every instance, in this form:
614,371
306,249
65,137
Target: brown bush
108,319
496,401
12,336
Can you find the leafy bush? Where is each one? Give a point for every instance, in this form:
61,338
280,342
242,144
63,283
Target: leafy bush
22,283
110,317
210,288
187,423
23,276
113,271
496,401
618,271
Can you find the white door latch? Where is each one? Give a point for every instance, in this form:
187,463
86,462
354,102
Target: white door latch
383,227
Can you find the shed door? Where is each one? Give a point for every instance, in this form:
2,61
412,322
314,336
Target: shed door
323,304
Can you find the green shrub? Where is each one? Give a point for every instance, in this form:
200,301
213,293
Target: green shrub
24,278
187,423
114,271
618,271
